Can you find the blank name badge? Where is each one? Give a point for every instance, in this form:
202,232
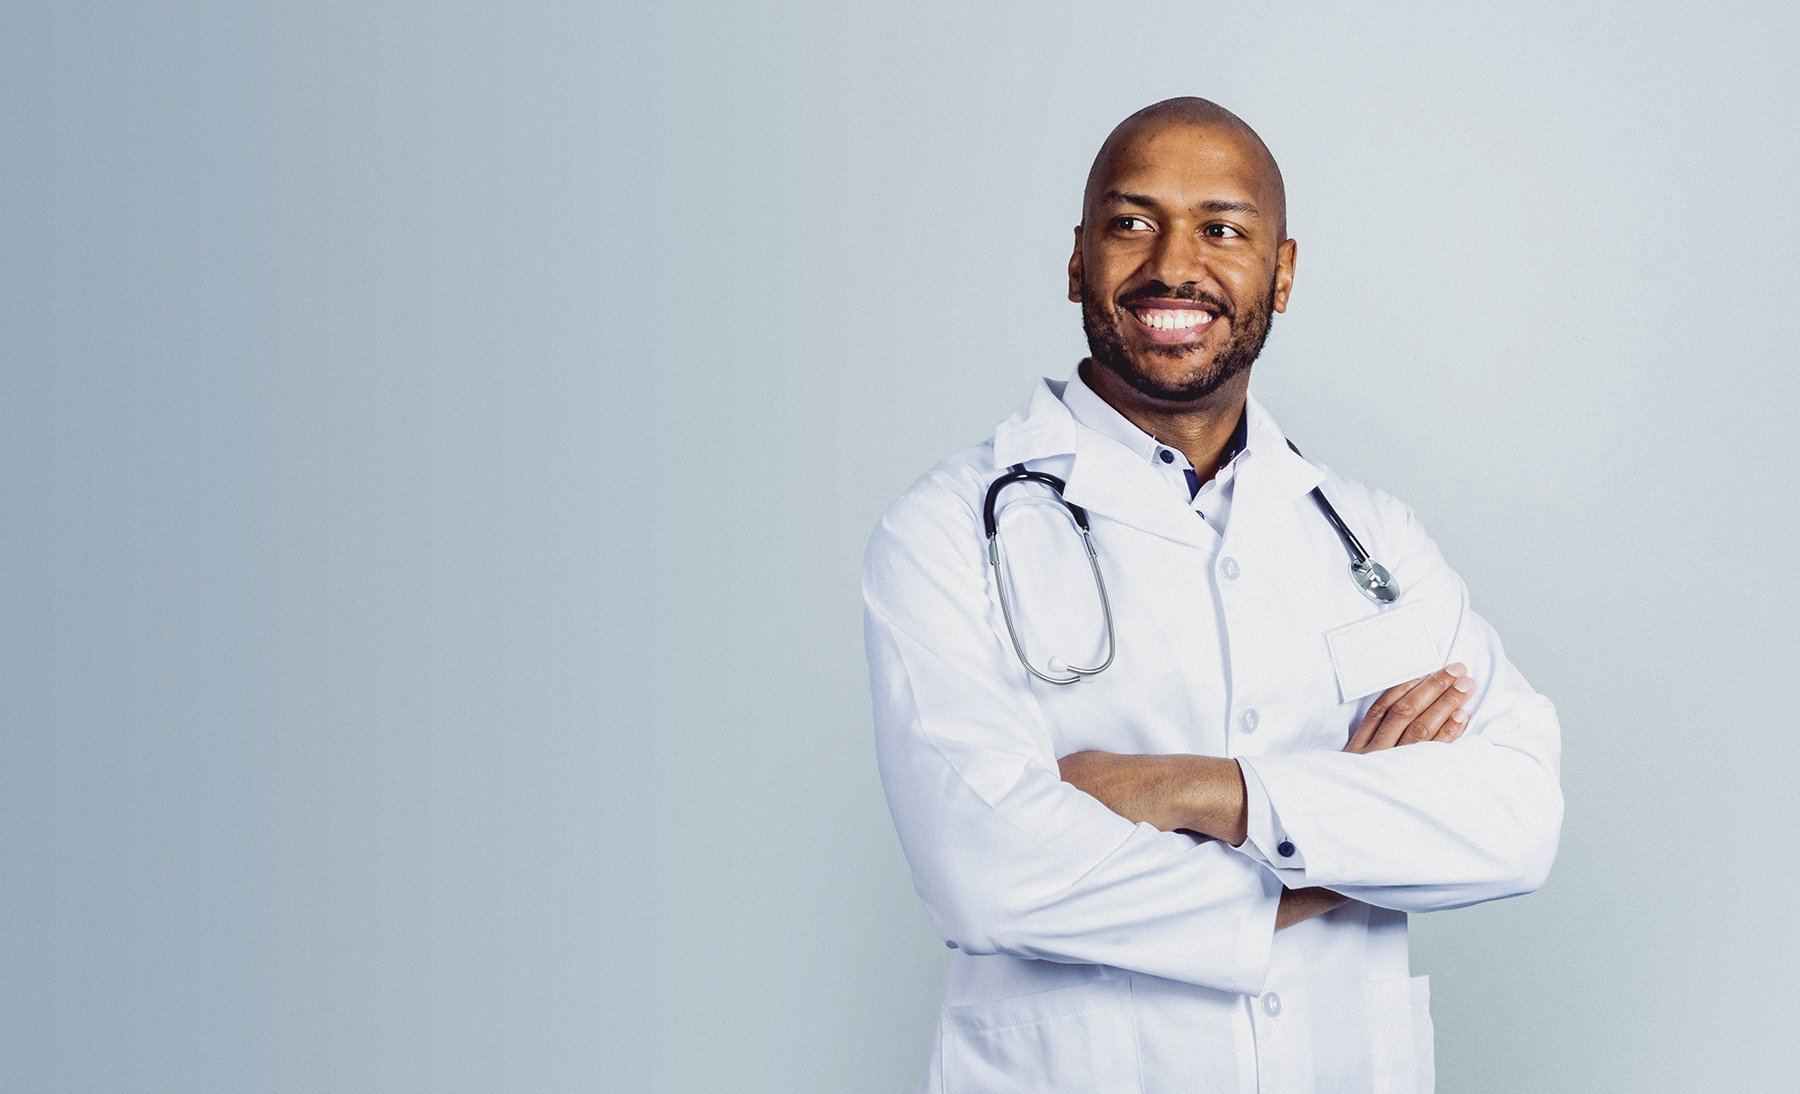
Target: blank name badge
1375,654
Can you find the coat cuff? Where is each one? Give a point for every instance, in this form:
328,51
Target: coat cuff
1268,843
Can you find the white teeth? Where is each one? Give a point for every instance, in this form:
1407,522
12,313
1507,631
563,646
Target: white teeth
1175,320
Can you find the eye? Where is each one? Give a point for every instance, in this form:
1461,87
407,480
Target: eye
1131,224
1221,231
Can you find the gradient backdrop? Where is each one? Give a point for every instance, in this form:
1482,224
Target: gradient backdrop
437,442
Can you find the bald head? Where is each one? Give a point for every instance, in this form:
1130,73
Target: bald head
1197,113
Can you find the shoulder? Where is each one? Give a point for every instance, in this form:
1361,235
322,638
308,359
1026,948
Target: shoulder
1388,526
940,512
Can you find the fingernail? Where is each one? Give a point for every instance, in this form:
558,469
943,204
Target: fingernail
1456,669
1459,715
1464,684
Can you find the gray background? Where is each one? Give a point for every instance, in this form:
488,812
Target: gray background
439,440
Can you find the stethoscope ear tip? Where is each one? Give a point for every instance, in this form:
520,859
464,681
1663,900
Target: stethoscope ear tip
1057,664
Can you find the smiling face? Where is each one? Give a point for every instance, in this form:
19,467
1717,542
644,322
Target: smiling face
1181,258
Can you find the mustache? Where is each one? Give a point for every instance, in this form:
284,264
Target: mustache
1191,293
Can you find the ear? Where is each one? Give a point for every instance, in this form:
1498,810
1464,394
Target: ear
1075,268
1285,255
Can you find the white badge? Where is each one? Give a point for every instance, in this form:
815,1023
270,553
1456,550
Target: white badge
1377,653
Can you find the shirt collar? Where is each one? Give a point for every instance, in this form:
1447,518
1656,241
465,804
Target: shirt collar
1090,410
1111,476
1098,415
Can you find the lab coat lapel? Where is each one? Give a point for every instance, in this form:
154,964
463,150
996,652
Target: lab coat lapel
1106,478
1269,474
1109,479
1115,482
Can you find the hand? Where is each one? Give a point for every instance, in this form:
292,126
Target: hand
1298,905
1426,709
1203,794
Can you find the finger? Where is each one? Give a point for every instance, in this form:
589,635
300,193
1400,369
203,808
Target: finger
1371,719
1414,704
1460,718
1432,720
1405,709
1359,741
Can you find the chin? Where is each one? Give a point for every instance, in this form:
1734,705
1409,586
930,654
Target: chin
1176,370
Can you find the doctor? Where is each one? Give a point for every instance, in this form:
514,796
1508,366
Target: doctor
1190,871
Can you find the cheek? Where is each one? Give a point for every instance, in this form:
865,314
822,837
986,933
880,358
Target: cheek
1108,271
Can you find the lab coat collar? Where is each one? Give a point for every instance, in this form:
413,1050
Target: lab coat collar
1268,467
1109,478
1038,430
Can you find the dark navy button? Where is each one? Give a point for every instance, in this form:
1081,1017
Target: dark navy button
1285,849
1167,456
952,945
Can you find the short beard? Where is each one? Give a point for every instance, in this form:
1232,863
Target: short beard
1108,349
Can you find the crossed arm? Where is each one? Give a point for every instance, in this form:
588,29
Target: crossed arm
1017,854
1206,795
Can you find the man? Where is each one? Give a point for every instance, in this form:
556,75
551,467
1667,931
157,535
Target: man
1192,869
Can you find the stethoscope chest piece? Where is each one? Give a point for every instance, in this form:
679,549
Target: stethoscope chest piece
1374,580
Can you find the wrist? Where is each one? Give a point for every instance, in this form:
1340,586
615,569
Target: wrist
1215,799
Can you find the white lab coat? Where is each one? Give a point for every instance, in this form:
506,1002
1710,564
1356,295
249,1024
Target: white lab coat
1094,955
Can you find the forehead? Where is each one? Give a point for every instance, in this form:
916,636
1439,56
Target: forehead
1177,161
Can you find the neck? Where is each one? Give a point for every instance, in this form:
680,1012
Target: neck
1199,430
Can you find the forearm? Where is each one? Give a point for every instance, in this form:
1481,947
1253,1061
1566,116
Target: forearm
1299,905
1214,802
1434,826
1423,826
1042,872
1202,794
1011,860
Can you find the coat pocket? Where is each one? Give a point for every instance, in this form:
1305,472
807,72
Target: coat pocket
1078,1039
1379,652
1400,1035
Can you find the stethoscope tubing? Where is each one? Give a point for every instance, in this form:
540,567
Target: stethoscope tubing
990,523
1370,576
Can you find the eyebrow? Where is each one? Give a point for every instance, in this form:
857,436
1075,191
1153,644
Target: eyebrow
1144,201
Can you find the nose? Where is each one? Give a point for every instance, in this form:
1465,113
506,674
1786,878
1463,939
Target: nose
1177,259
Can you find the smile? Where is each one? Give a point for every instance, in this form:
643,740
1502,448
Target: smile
1172,324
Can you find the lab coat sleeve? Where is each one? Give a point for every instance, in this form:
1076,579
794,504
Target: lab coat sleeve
1264,834
1430,826
1007,857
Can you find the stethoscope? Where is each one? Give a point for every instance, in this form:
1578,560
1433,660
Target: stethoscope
1370,576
